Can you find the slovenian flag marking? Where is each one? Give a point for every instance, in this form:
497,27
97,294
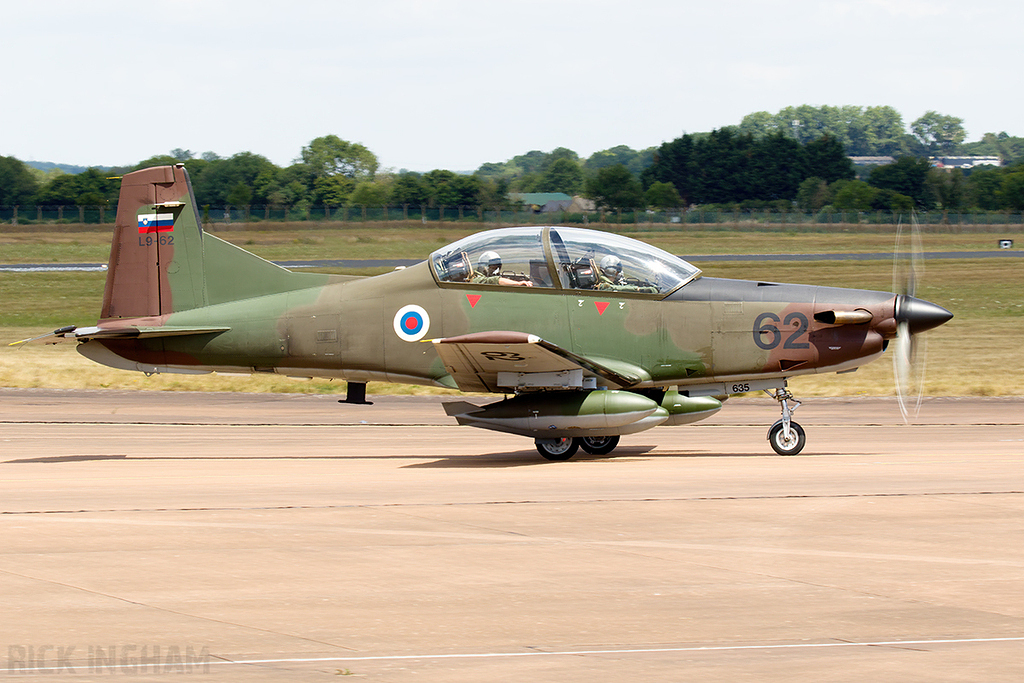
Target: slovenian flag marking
156,222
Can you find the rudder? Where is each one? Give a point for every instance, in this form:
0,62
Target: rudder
156,257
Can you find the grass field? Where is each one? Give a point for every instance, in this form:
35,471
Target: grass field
383,242
979,353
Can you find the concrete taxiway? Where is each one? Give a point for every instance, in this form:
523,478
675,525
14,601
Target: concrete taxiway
268,537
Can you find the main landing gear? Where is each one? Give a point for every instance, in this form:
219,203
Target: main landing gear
566,447
786,436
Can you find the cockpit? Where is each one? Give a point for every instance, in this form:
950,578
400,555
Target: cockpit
561,258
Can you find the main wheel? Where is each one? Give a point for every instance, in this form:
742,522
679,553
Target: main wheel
557,449
783,446
599,445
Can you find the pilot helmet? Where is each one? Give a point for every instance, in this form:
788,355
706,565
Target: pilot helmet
489,263
611,266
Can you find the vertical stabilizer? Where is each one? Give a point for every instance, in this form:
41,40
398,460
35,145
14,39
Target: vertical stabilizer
162,262
156,258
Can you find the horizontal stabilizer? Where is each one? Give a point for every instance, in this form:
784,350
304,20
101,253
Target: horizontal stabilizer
72,332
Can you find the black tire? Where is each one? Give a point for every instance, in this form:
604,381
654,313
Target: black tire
783,447
599,445
557,449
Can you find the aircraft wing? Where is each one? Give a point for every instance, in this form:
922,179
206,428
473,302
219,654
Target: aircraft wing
504,361
72,332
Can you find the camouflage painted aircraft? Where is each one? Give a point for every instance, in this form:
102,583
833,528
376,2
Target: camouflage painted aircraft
589,335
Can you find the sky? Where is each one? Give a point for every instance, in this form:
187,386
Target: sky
453,84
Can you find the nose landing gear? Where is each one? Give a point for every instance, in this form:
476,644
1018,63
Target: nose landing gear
786,436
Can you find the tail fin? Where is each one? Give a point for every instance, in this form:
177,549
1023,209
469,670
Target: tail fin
162,262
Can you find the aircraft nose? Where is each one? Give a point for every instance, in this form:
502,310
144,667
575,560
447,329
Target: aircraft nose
921,315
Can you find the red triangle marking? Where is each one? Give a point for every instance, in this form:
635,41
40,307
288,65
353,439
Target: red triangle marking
601,305
473,298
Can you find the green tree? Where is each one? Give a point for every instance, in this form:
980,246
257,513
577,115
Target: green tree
879,133
826,159
494,192
534,161
89,188
447,188
213,181
283,186
939,133
775,167
1012,191
813,194
330,156
527,182
663,196
559,154
410,189
441,187
907,177
563,175
240,194
853,195
675,163
614,187
467,190
860,131
17,184
894,202
758,124
948,189
1009,149
983,188
332,190
636,161
376,192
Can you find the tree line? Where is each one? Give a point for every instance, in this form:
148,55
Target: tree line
798,156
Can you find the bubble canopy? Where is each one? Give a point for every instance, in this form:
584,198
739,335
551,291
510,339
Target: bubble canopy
561,258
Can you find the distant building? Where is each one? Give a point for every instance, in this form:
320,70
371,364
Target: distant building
950,163
581,205
872,161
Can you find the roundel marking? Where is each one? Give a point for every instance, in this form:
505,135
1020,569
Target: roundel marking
411,323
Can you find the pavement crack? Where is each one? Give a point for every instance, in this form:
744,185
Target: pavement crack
528,501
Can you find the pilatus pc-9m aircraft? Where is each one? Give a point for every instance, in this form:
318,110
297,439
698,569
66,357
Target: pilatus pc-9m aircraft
590,336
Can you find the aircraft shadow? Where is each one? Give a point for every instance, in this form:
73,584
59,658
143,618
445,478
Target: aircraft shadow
524,458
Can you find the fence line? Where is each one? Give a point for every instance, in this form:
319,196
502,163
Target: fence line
25,217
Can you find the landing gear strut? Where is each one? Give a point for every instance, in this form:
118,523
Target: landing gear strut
786,436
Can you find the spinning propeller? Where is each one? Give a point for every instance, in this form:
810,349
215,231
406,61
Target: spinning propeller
913,316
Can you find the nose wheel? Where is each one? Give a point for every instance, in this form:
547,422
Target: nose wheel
786,436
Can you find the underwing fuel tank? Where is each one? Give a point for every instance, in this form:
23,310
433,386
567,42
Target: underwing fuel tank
683,410
563,413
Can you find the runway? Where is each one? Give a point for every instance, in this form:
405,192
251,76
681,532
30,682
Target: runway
287,537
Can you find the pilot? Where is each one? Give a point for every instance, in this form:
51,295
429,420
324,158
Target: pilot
488,272
612,279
